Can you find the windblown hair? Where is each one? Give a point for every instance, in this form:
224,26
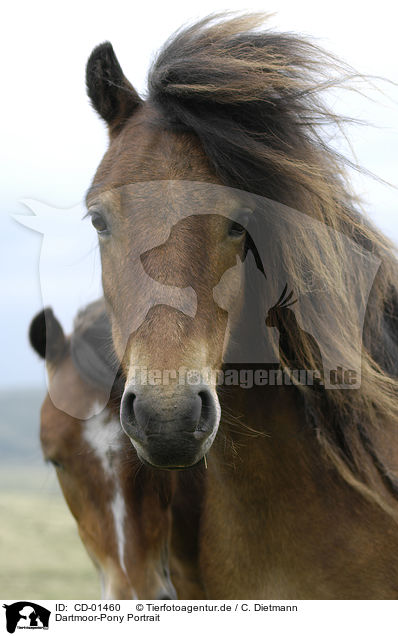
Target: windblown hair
254,98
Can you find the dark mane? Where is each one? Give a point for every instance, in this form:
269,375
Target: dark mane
254,100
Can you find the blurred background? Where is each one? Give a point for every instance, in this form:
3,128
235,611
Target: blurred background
51,143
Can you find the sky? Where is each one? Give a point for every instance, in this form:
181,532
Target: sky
52,141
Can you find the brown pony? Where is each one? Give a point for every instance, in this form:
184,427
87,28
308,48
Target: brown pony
301,487
123,510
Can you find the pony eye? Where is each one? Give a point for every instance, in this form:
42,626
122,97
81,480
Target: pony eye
235,229
99,223
55,463
237,226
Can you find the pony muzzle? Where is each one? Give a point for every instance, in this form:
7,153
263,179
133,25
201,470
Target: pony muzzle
170,430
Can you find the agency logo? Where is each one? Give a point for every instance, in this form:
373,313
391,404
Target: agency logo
26,615
289,291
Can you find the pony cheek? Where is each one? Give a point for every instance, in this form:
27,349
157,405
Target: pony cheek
229,290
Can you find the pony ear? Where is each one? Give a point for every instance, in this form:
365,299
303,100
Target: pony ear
111,94
46,335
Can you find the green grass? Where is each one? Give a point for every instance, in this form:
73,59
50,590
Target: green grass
41,555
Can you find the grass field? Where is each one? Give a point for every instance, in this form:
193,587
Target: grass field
41,555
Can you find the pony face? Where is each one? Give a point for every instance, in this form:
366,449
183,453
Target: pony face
222,110
166,238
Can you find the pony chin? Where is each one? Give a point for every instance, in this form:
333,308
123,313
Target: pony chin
177,452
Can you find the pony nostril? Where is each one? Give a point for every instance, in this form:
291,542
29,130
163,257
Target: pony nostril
127,409
208,408
129,403
207,401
